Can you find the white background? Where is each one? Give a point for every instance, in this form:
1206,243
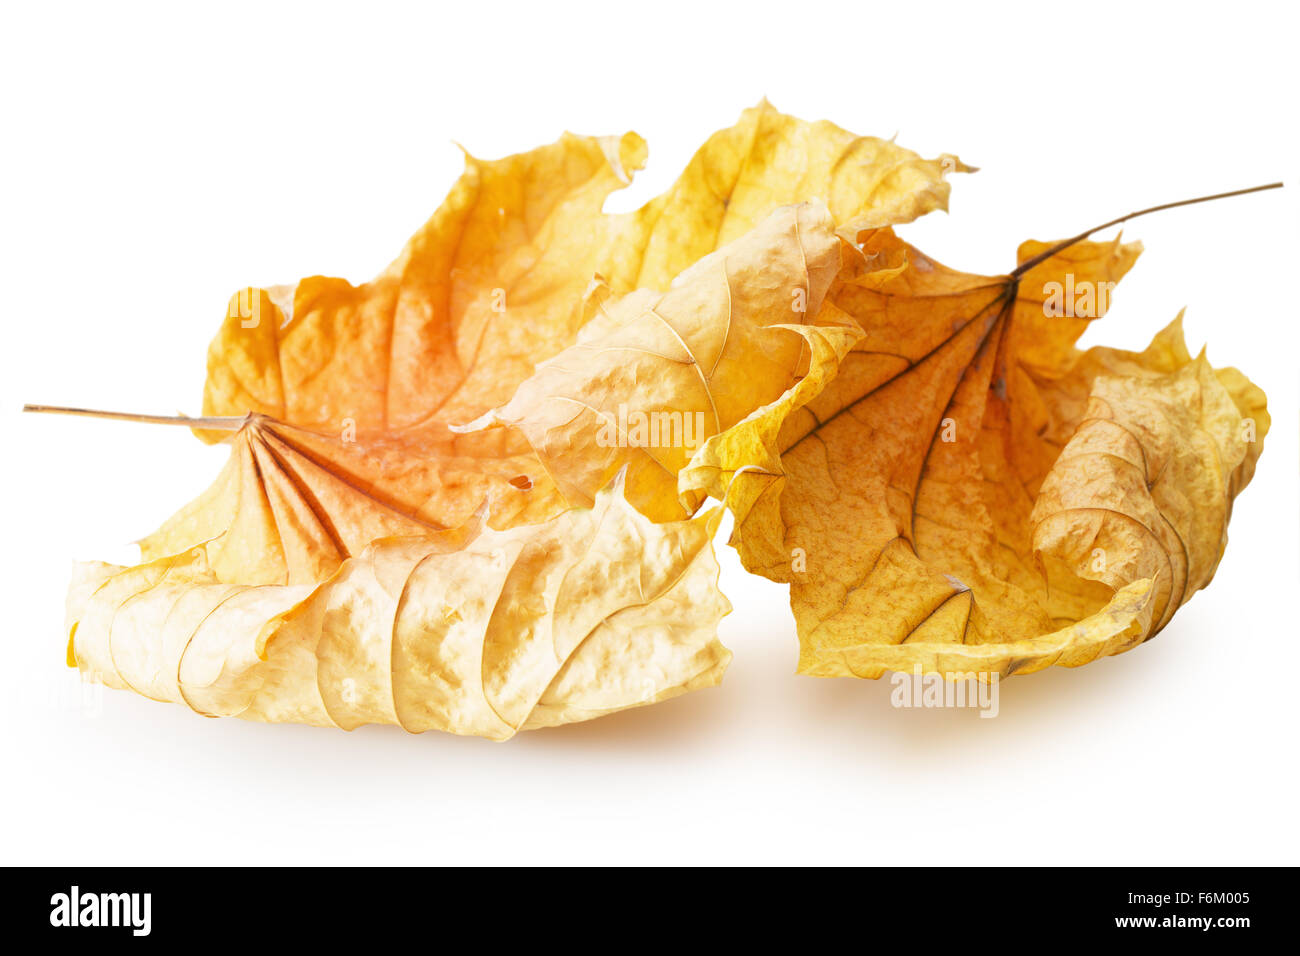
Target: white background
155,159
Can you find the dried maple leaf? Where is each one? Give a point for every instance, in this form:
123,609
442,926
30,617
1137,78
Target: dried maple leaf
972,494
324,577
473,631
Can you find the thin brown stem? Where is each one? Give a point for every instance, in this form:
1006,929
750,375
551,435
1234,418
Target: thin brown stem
1061,246
225,423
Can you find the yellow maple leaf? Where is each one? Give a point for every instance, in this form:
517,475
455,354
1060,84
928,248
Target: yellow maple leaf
334,573
972,494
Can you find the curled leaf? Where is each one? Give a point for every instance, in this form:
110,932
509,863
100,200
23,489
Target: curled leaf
473,631
970,493
328,576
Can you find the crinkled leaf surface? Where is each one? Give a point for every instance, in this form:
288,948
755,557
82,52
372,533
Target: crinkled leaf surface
971,493
654,376
473,631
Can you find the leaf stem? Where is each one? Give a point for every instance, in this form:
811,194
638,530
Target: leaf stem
1061,246
227,423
